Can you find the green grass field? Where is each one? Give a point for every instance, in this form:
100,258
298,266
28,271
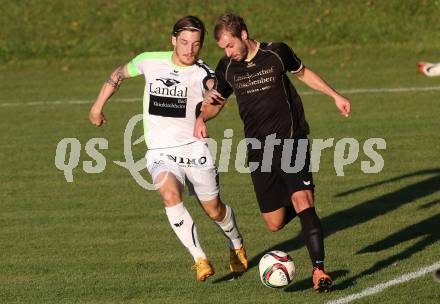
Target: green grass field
104,239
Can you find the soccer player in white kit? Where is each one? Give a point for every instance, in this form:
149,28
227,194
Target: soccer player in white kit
175,83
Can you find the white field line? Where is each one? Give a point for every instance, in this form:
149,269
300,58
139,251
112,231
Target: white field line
117,100
381,287
63,102
380,90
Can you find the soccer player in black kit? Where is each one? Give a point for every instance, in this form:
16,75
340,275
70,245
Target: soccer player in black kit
272,112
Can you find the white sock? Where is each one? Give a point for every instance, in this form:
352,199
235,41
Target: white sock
185,229
230,229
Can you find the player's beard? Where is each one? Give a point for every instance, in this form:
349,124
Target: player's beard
185,58
242,53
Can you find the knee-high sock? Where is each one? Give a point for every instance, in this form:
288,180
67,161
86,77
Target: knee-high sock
230,229
185,229
313,236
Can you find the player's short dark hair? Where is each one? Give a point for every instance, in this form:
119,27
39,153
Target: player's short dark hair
189,23
230,22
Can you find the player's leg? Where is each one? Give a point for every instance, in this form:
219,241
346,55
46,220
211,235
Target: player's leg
204,179
178,216
182,223
301,187
277,219
313,237
223,216
273,199
168,180
311,226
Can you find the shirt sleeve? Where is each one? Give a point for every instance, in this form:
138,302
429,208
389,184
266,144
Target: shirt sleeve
222,85
207,75
134,68
291,62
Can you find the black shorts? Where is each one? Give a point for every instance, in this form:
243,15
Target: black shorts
275,187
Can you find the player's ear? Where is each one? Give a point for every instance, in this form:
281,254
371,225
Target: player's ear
244,35
174,40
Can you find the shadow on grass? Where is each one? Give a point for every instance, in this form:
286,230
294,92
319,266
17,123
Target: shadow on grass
367,211
307,283
229,277
428,229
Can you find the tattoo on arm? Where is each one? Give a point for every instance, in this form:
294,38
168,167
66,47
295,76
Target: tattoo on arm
111,82
119,75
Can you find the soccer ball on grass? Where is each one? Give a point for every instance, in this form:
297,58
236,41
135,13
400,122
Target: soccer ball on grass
276,269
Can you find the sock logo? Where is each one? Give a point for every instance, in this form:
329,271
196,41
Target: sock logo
178,224
227,231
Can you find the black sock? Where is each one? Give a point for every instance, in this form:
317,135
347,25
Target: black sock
313,236
290,213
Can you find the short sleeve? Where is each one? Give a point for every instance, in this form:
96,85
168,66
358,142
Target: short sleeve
134,67
291,62
222,85
207,73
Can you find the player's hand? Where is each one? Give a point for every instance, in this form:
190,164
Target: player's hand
213,97
200,130
96,117
343,104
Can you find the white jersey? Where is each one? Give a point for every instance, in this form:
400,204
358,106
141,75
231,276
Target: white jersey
171,96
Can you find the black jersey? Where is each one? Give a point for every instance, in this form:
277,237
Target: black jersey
268,102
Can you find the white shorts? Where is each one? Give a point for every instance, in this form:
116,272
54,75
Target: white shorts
192,162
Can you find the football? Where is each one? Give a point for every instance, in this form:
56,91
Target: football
276,269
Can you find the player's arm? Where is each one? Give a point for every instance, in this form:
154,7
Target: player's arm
213,102
315,82
293,64
211,105
110,86
218,90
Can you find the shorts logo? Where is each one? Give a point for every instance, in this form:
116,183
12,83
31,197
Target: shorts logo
307,183
187,161
157,164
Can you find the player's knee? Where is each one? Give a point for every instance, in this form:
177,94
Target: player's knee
217,214
215,209
170,196
302,200
274,226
